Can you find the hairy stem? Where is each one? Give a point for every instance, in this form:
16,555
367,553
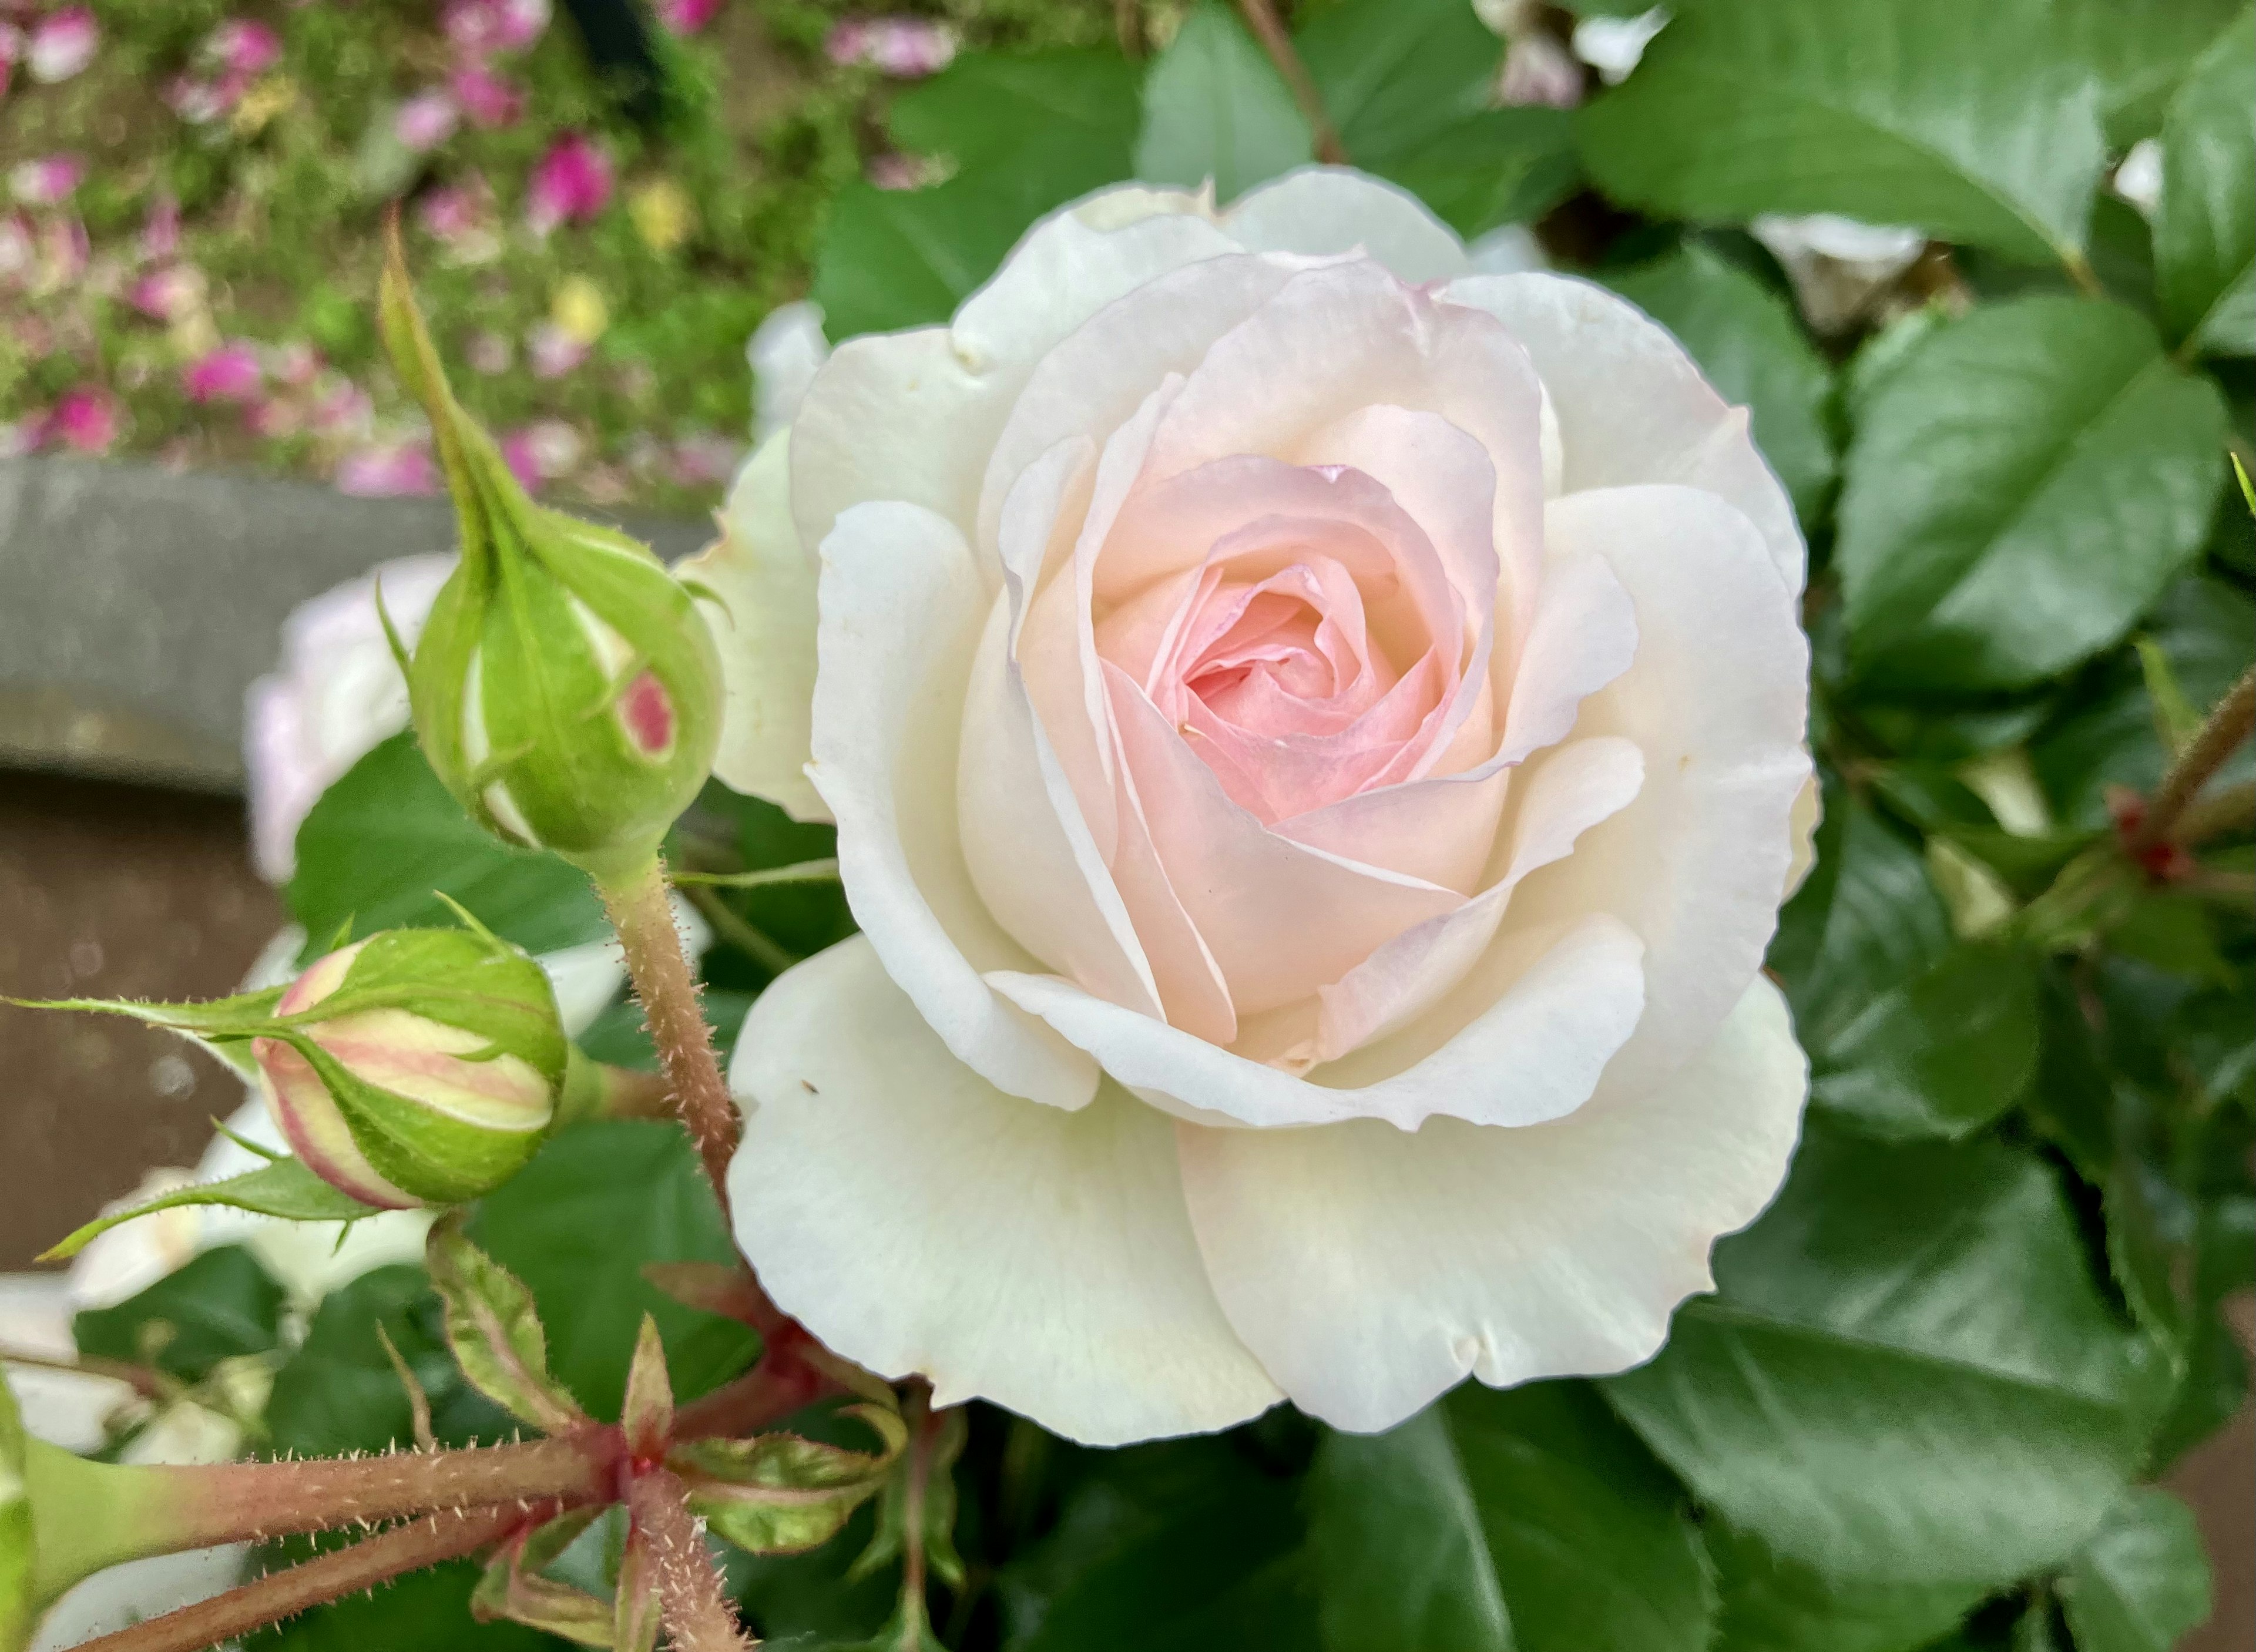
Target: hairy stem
691,1602
2232,809
644,917
331,1577
1269,29
780,1384
924,1432
2228,724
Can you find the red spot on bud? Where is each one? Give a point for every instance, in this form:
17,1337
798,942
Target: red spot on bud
647,711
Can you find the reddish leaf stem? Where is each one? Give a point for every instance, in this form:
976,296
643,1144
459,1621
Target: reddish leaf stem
1269,29
644,917
331,1577
2229,723
778,1385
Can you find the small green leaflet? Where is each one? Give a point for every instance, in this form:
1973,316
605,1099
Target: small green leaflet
285,1187
2142,1582
780,1492
2205,226
494,1331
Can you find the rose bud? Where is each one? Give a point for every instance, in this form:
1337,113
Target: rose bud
564,687
416,1067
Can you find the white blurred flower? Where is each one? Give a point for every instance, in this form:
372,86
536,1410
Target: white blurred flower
785,350
337,694
2139,180
1837,264
1612,45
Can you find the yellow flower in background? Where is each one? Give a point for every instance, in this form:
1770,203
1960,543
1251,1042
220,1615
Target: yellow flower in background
273,95
578,309
664,215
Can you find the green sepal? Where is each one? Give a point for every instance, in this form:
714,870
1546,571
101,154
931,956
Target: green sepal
467,978
780,1494
284,1187
647,1415
512,1589
937,1506
494,1331
220,1026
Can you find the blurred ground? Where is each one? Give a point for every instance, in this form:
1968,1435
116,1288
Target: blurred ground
121,891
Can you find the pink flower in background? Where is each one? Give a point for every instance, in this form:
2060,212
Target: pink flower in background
230,373
571,183
64,253
340,408
489,352
687,17
274,417
384,469
160,231
85,420
242,46
46,181
480,26
898,171
335,695
906,48
62,44
488,100
461,218
705,459
168,294
18,252
552,352
426,121
11,52
542,451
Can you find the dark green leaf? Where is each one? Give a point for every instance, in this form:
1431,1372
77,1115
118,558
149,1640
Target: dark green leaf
1213,108
1395,76
2019,489
1748,342
1770,1603
285,1187
2205,228
384,838
577,1225
1940,1054
1205,1554
1527,1520
338,1392
220,1305
1909,1375
2142,1582
986,107
421,1612
1501,165
1896,112
2140,50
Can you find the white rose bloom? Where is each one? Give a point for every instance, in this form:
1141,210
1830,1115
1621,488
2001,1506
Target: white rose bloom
1615,46
786,351
1315,737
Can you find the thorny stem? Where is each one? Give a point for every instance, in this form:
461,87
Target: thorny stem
643,918
691,1602
230,1502
331,1577
1269,29
2232,809
2228,724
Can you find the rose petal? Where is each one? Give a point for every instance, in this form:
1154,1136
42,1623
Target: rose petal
902,605
764,627
1371,1270
1718,699
917,1220
1319,210
1630,405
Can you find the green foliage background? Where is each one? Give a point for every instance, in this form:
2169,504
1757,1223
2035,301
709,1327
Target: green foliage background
1925,1406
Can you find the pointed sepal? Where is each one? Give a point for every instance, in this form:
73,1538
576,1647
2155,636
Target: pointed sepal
495,1331
778,1493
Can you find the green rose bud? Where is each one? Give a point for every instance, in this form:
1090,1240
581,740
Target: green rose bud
416,1067
565,687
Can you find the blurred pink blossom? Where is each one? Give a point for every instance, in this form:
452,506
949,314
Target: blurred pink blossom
571,182
687,17
17,250
229,373
62,44
426,121
542,451
84,421
898,171
64,253
242,46
11,52
168,294
293,362
383,470
907,48
705,459
480,26
274,417
231,57
488,100
552,352
340,408
46,181
160,231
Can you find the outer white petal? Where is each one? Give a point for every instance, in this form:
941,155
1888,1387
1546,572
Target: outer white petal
916,1219
1566,999
914,415
902,606
1371,1270
1718,697
1320,210
764,625
1630,405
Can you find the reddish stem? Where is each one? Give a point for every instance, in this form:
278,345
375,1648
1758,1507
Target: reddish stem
644,917
780,1384
2229,722
696,1610
1269,29
234,1503
331,1577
